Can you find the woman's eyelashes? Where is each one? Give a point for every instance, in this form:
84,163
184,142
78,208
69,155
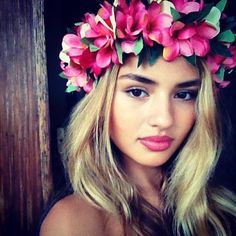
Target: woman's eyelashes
186,95
137,92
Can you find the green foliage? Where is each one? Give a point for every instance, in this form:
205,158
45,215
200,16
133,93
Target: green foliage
138,46
119,52
71,88
192,60
220,49
221,5
226,36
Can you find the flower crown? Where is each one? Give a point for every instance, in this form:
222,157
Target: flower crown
148,29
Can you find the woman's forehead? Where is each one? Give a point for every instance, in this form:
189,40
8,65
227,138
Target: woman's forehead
178,70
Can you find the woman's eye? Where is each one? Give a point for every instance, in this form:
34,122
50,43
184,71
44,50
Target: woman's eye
186,95
135,92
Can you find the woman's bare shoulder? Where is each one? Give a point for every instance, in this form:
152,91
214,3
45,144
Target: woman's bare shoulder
73,216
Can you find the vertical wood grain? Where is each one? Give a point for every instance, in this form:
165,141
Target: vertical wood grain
25,179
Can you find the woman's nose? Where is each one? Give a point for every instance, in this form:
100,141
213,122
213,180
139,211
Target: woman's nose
161,113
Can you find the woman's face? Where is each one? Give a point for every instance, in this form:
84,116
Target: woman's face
153,109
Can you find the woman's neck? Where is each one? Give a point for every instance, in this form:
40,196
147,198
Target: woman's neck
146,179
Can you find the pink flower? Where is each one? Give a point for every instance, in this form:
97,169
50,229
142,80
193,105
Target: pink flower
221,83
214,62
88,86
186,6
230,62
76,75
187,40
105,12
73,42
155,23
106,56
130,19
102,36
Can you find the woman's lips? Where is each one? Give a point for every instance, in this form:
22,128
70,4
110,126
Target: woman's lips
156,143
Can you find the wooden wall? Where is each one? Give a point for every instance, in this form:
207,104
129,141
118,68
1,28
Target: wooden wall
25,179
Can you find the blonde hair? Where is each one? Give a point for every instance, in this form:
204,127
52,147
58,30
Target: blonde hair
96,172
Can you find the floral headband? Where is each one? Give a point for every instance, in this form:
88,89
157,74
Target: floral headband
148,29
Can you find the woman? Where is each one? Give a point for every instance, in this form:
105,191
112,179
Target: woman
143,144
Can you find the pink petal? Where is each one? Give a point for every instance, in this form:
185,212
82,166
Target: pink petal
155,36
230,62
73,52
201,4
90,33
106,10
189,7
87,59
88,86
165,38
214,62
177,25
103,58
153,10
163,20
62,65
178,4
96,70
114,57
221,83
81,81
130,22
90,19
100,42
187,32
71,40
71,71
185,48
170,53
206,31
200,46
128,46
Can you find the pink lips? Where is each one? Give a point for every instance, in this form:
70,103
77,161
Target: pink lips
157,143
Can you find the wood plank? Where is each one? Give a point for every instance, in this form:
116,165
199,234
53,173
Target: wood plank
25,178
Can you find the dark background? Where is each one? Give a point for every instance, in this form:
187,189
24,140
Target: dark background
60,15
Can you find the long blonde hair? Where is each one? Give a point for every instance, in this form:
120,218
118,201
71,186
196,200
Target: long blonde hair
96,172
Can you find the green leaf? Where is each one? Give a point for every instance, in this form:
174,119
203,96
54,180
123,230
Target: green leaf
71,88
220,49
226,36
119,52
62,75
93,48
141,57
138,46
155,52
192,60
85,41
205,11
221,73
196,16
78,23
213,17
221,5
175,14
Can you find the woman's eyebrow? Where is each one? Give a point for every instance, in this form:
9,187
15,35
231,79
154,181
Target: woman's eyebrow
138,78
145,80
189,83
